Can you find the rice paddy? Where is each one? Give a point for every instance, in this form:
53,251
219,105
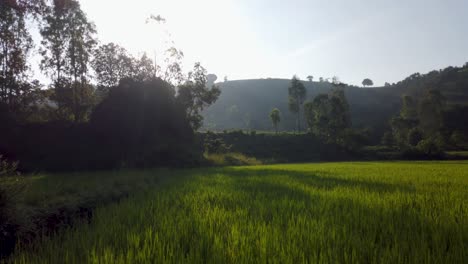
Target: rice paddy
366,212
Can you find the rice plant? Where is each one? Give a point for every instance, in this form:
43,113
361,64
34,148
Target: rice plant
370,212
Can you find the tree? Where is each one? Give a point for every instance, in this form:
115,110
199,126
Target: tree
328,115
144,69
275,118
297,94
310,78
112,63
151,130
15,46
409,108
173,71
387,84
431,110
321,79
67,45
194,95
367,82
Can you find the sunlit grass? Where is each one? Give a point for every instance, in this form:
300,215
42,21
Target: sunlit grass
409,212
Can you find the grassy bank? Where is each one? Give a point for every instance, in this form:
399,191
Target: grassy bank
409,212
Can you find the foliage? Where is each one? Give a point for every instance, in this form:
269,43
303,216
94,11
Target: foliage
214,144
230,159
414,136
328,115
431,112
297,94
430,147
275,116
8,168
367,82
314,213
111,64
141,124
280,147
194,95
67,47
15,46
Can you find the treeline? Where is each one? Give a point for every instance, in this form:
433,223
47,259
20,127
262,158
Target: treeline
103,108
327,116
426,126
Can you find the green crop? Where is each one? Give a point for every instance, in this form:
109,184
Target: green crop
367,212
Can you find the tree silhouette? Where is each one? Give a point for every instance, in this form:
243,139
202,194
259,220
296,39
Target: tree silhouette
275,118
195,94
68,42
310,78
367,82
111,64
297,94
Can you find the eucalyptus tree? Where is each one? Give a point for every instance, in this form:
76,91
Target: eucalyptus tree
68,41
297,94
16,45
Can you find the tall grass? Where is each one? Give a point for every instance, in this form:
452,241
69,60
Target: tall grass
307,213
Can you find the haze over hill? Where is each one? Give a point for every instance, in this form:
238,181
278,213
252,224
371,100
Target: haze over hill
246,104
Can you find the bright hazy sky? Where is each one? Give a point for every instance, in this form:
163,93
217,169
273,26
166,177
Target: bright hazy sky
385,40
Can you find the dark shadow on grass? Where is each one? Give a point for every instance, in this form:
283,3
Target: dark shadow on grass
322,180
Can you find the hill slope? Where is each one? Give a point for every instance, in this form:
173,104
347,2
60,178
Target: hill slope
246,104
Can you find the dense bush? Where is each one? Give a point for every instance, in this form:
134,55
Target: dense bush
282,147
139,124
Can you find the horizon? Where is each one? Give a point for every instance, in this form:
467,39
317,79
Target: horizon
269,39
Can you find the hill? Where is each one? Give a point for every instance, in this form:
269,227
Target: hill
246,104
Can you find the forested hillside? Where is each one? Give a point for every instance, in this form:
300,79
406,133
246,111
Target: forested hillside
246,104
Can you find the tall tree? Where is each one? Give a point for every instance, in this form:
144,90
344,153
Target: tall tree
112,63
297,94
275,117
328,115
310,78
367,82
173,72
67,45
15,46
80,49
144,69
195,95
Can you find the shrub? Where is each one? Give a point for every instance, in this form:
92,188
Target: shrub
9,218
231,159
214,144
430,147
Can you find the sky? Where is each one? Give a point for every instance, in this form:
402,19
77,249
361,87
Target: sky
383,40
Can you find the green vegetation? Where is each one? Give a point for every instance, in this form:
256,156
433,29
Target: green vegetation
395,212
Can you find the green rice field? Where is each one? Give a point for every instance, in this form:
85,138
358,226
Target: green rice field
365,212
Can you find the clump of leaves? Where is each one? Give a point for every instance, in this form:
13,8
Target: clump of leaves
8,168
215,144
